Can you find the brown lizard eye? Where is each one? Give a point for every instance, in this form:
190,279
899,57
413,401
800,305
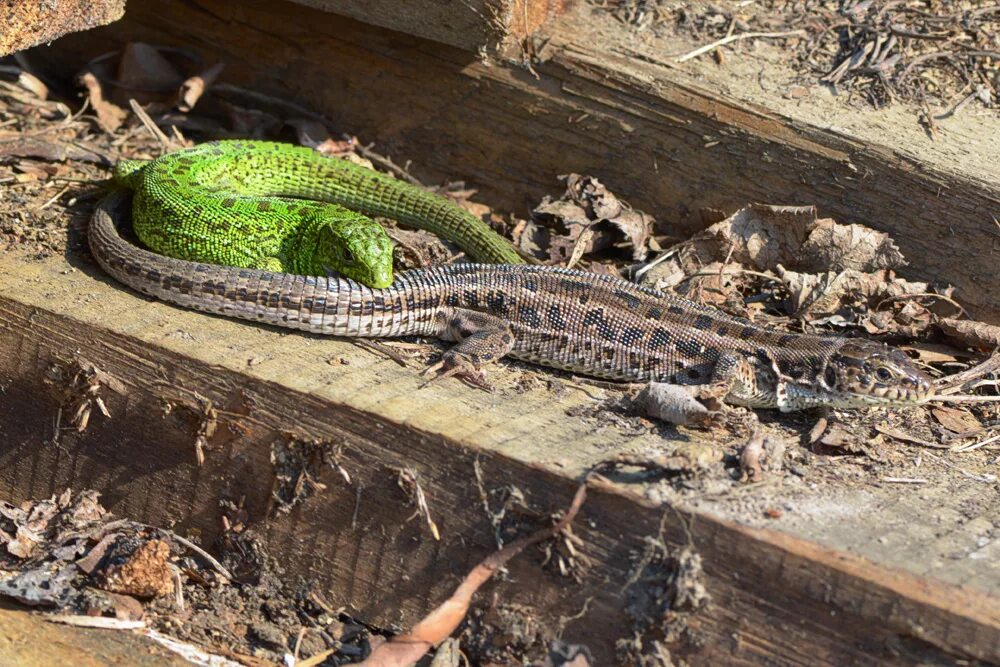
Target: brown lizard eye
883,373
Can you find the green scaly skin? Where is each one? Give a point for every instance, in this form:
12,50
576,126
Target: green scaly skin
285,208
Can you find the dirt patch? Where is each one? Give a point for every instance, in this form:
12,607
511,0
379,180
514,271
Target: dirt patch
885,51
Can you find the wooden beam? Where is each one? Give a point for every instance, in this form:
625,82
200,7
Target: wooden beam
775,598
26,24
28,639
486,26
665,144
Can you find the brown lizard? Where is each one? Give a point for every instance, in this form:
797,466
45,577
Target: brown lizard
583,322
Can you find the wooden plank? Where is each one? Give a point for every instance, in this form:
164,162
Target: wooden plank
29,640
26,24
775,598
631,120
487,26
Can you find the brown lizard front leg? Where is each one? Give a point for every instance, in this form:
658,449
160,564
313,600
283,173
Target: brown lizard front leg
481,339
732,377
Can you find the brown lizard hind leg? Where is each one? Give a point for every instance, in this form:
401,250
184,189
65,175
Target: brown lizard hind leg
482,339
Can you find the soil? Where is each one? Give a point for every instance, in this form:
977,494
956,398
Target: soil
933,490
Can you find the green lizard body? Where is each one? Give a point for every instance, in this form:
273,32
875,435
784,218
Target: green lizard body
285,208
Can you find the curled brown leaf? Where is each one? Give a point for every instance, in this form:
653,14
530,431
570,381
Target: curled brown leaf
408,648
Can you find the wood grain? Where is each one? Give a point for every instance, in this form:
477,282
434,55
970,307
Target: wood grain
490,27
775,598
25,24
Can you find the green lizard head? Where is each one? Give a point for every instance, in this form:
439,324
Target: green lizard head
361,252
127,173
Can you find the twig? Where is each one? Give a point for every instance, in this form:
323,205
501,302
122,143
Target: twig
979,478
378,348
96,622
734,38
198,550
904,480
52,200
976,444
150,125
963,398
368,153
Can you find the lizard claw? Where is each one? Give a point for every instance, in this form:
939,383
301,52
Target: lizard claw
459,367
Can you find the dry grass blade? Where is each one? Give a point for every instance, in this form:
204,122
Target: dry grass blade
952,384
164,140
735,38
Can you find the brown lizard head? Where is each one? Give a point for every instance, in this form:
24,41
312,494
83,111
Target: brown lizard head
865,373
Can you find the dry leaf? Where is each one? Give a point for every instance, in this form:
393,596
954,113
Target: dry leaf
406,649
314,134
674,404
835,247
194,87
109,116
589,218
758,236
145,75
956,420
816,295
761,236
33,85
252,123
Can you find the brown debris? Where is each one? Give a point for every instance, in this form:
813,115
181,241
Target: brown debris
143,572
956,420
587,218
194,87
978,335
750,457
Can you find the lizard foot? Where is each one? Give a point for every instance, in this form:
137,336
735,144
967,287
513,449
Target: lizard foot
459,367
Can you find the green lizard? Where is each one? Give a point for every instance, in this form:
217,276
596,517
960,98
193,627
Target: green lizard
285,208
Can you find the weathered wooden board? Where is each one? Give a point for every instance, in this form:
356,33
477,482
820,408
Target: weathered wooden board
487,26
595,105
25,24
29,640
775,598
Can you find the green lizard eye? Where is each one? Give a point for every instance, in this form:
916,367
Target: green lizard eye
348,255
